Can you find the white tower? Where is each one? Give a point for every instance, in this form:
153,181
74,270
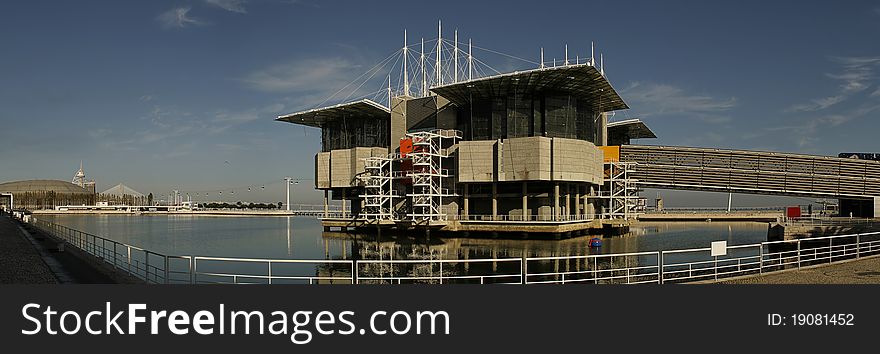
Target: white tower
79,178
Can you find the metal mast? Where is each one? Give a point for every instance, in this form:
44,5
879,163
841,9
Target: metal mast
566,54
405,71
424,71
542,57
470,61
437,67
455,58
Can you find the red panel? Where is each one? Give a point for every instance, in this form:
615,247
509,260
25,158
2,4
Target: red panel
793,212
406,147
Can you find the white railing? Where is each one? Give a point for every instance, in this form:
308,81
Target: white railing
667,266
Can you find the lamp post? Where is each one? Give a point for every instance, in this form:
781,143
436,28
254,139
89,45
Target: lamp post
289,180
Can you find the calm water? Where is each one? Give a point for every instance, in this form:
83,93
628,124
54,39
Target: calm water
302,238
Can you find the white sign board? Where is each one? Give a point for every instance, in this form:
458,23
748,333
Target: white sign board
719,248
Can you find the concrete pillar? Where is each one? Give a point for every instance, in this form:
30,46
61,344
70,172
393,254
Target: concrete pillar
556,212
494,200
577,201
343,203
525,201
326,204
876,207
567,200
467,194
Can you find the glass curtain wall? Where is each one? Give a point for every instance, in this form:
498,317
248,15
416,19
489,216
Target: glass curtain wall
555,116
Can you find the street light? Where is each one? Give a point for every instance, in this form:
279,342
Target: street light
289,180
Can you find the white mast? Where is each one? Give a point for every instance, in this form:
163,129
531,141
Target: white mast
455,56
592,53
389,91
437,67
602,64
542,57
424,71
470,61
405,71
566,55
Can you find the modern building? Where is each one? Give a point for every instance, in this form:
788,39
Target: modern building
530,151
46,194
519,152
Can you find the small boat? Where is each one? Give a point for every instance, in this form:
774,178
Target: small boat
595,242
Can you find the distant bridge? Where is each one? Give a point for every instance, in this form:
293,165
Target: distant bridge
755,172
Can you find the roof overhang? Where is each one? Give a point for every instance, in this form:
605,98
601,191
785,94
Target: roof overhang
632,128
318,117
580,80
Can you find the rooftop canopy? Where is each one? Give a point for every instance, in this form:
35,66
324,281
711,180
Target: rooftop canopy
630,128
580,80
318,117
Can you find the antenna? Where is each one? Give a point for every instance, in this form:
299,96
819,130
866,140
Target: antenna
592,57
437,67
542,57
455,58
405,71
566,54
602,64
470,61
424,71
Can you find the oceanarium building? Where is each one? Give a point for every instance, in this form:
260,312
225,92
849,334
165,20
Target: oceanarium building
525,151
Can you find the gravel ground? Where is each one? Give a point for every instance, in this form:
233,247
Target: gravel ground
20,263
863,271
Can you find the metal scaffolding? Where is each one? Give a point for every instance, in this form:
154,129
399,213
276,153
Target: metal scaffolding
379,192
430,149
623,192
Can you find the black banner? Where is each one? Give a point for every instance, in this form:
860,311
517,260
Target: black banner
493,319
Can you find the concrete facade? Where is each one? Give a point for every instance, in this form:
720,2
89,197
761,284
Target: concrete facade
529,159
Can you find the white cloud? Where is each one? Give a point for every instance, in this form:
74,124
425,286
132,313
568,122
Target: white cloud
229,5
177,18
311,75
856,75
655,99
876,93
816,104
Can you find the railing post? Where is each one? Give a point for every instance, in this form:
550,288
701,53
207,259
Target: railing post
761,258
441,271
354,272
167,281
192,270
146,266
524,269
858,246
799,253
660,266
270,271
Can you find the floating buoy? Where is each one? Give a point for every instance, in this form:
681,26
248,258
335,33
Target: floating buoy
595,242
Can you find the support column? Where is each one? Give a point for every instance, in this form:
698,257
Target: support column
555,200
525,201
494,200
326,205
467,194
343,203
567,200
577,201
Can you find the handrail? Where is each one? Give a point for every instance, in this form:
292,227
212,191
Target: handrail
663,266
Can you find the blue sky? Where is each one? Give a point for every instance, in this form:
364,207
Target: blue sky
182,94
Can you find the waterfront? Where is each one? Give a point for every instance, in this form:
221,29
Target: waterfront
302,238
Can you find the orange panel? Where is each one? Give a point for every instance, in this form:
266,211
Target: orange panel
406,147
612,153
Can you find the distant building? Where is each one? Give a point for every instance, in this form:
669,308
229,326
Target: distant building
46,194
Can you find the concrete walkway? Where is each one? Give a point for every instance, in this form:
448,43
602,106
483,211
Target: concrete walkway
20,262
862,271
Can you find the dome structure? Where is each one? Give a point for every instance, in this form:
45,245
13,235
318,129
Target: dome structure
46,194
42,185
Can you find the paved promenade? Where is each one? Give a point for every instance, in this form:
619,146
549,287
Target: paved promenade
862,271
20,263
